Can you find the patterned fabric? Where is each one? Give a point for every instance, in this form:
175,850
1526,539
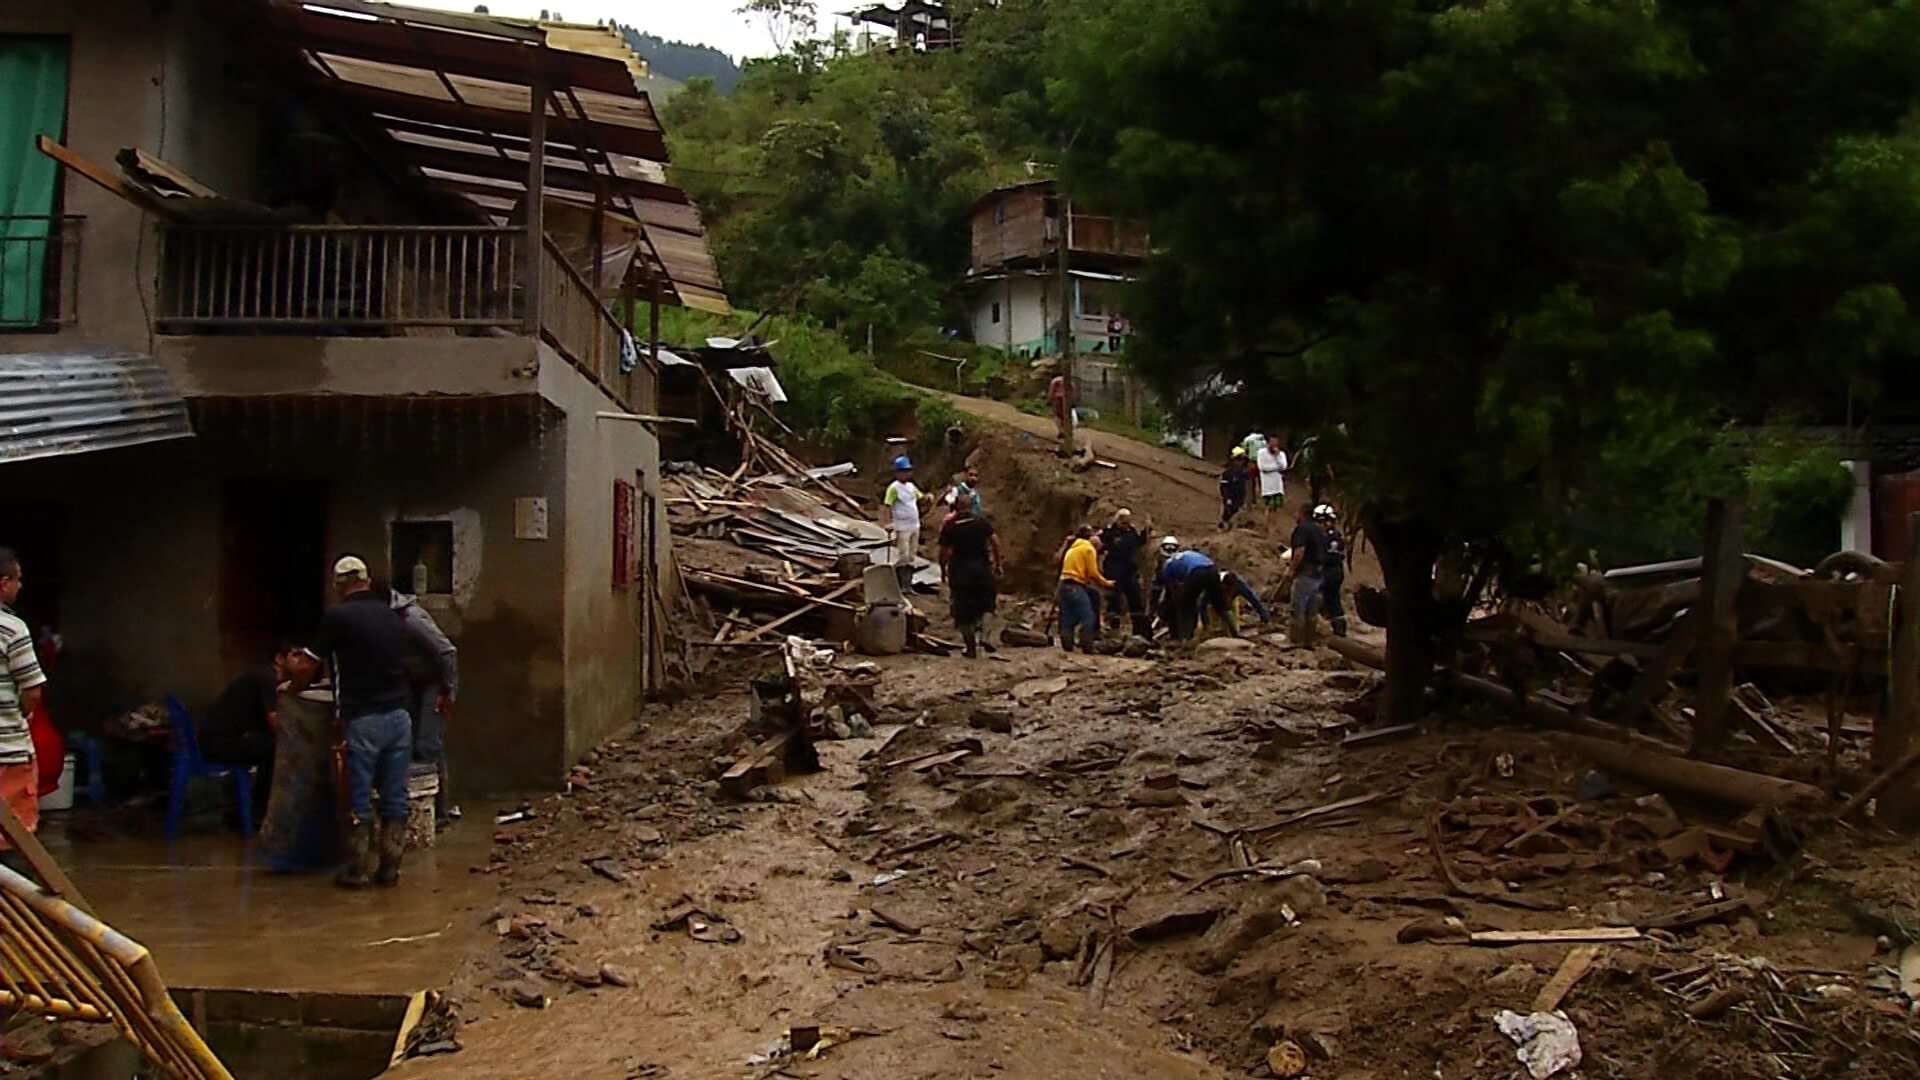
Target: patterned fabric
301,829
20,673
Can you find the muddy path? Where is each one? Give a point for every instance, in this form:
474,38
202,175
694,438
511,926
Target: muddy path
1063,900
788,877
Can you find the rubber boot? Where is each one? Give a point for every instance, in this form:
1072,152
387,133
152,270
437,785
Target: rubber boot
393,844
359,850
987,635
1340,627
970,638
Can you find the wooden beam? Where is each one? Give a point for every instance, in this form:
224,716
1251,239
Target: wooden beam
45,869
533,253
445,20
797,612
1655,679
1725,568
561,172
104,176
1677,775
614,138
1894,737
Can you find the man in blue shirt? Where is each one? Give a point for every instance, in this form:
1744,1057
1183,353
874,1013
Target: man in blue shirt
1188,582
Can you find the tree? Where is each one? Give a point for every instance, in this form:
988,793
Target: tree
784,19
1501,256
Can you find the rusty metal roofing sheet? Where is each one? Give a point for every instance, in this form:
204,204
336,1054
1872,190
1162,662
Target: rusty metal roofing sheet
68,403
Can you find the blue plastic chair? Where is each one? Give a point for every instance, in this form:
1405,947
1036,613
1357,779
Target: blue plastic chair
188,766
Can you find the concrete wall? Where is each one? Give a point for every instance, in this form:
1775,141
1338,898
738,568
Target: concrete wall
141,556
141,74
243,366
1028,314
604,653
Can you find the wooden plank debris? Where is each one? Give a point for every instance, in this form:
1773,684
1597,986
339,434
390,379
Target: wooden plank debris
1585,934
1319,811
1579,961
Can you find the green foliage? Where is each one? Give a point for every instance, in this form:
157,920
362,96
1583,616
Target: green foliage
837,184
1535,256
932,419
1797,490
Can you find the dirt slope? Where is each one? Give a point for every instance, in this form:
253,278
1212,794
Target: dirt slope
1034,499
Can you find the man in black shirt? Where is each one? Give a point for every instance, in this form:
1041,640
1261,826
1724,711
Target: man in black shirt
1333,572
970,565
240,725
1309,559
364,644
1120,544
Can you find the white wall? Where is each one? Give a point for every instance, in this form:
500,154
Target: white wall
1027,313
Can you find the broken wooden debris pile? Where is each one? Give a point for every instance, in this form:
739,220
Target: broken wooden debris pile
1649,669
811,697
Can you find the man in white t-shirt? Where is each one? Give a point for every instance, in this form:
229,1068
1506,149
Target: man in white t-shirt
901,518
1272,463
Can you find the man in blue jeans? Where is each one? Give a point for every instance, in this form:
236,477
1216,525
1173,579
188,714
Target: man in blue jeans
364,643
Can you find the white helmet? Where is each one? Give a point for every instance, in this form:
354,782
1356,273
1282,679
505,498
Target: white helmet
1169,543
1324,510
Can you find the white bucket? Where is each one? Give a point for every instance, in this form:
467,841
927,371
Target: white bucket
61,798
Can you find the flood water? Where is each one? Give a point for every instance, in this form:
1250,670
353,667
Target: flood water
213,918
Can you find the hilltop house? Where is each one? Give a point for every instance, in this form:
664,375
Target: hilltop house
1014,278
382,264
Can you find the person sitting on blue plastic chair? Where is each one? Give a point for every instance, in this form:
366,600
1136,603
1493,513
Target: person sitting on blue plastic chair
240,726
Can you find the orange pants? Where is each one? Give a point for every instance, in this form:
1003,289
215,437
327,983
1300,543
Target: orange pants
20,788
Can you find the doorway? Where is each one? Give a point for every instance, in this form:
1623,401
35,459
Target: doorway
273,573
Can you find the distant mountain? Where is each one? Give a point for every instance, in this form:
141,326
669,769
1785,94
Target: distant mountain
674,62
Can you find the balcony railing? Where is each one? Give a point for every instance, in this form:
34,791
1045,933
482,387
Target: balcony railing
580,326
341,279
39,271
369,280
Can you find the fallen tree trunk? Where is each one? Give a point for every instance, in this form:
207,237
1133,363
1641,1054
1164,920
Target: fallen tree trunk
1701,779
1540,712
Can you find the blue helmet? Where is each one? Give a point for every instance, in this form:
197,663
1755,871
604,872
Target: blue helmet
903,462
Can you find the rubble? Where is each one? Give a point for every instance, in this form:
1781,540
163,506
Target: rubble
1548,1044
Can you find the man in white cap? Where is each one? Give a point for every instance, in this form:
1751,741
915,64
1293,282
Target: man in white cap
365,645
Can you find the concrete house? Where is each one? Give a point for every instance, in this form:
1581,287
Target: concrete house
383,263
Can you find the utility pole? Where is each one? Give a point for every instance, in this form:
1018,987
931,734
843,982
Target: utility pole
1063,237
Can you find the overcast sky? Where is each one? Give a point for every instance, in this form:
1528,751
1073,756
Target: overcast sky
696,22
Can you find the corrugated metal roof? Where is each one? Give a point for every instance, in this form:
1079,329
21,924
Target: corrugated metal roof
454,93
69,403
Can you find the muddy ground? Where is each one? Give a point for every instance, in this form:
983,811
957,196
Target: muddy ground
1063,901
966,907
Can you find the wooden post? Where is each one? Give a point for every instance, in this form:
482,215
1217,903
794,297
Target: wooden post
47,872
1724,568
533,257
1894,733
653,345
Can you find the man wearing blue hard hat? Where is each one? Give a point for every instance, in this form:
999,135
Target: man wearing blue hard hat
901,518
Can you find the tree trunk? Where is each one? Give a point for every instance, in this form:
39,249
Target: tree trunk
1407,551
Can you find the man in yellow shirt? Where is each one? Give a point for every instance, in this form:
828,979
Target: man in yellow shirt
1081,584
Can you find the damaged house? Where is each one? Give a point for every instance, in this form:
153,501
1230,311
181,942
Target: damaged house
384,263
